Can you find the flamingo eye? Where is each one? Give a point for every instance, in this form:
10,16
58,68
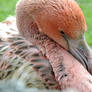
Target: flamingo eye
62,33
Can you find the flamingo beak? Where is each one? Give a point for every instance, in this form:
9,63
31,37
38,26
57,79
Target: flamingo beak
80,50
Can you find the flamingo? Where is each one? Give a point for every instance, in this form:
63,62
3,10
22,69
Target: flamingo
16,74
55,53
57,28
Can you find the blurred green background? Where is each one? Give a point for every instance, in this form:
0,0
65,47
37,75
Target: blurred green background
7,7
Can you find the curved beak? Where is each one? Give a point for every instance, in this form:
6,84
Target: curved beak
80,50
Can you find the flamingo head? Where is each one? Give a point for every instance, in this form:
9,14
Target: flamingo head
63,21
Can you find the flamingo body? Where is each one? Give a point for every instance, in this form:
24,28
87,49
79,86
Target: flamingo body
57,27
16,72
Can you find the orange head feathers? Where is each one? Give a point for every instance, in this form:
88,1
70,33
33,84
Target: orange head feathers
62,15
61,20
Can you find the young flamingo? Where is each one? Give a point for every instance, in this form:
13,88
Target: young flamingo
41,22
16,74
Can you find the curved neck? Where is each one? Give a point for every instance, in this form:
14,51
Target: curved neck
28,28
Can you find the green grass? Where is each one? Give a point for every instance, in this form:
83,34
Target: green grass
7,7
86,6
